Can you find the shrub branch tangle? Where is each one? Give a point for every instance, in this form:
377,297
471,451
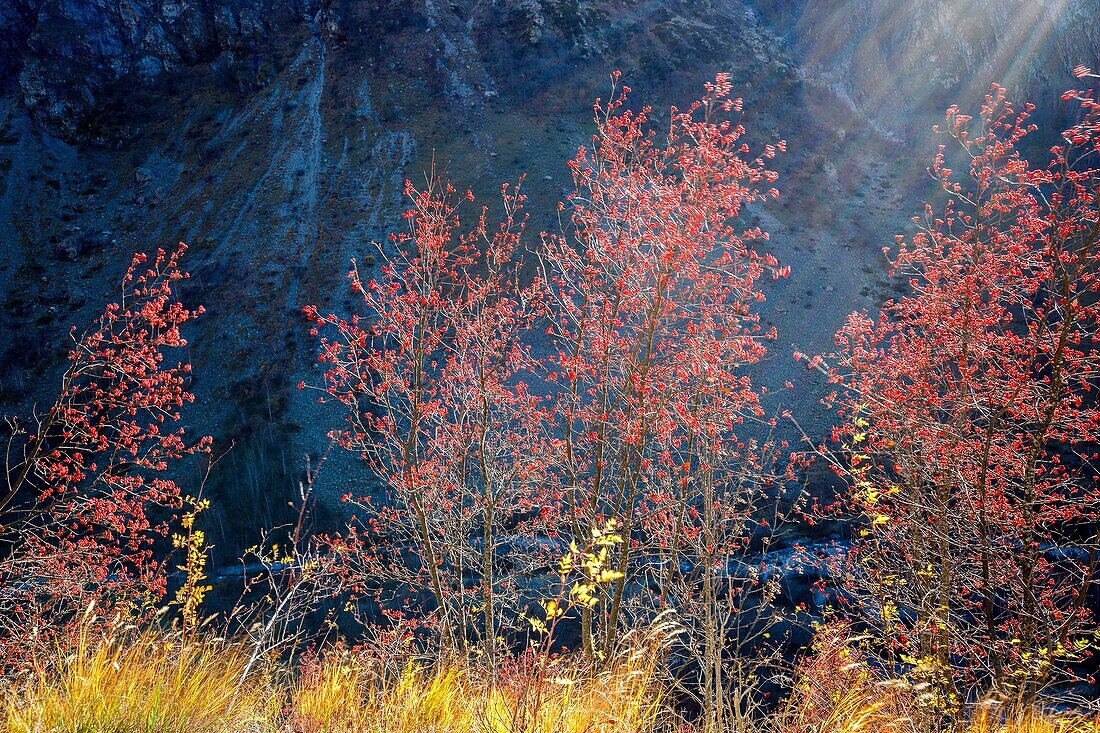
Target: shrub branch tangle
86,479
973,419
652,323
432,379
646,321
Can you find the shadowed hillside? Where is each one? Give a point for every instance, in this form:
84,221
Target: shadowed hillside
273,137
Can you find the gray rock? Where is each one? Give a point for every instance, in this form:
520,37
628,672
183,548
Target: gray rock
76,51
81,243
806,574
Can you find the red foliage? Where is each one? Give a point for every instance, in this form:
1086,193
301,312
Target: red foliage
648,302
652,324
82,496
972,414
433,381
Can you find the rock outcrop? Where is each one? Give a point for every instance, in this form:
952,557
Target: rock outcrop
71,52
894,60
16,24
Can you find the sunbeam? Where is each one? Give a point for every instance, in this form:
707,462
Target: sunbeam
899,56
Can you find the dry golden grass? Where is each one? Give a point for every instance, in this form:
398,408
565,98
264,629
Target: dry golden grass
837,691
152,683
140,682
993,721
340,696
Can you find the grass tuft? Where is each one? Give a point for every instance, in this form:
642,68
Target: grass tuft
561,696
143,682
992,720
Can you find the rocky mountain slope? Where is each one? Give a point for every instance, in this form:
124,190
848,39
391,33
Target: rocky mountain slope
273,136
900,60
71,55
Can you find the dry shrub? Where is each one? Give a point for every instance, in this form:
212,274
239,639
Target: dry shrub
837,691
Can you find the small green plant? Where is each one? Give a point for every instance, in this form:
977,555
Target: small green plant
192,542
583,572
